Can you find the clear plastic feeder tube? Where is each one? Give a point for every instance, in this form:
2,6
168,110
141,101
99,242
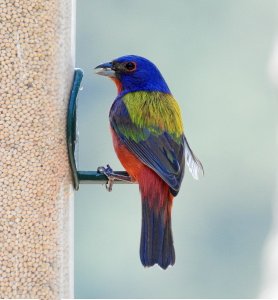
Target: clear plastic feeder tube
36,194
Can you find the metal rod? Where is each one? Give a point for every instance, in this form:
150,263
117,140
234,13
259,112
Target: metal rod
71,124
94,177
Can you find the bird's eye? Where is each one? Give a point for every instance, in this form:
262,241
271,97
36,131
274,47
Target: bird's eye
130,66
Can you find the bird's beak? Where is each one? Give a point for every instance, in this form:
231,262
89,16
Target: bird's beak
105,70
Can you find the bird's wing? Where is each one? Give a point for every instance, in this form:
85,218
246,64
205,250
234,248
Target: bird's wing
162,148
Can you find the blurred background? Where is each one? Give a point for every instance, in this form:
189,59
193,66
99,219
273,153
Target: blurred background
214,56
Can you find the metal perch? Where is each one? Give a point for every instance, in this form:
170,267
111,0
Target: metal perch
79,177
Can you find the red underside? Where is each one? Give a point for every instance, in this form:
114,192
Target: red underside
153,188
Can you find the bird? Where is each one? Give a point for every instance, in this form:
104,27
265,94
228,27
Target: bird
148,138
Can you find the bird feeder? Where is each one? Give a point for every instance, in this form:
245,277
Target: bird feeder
37,153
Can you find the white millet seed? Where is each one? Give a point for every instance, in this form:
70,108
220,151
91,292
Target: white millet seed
35,179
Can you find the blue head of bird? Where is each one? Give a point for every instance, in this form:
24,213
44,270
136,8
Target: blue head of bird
133,73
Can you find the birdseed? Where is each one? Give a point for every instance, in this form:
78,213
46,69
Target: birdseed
36,192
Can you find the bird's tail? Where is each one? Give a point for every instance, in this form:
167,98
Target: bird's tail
156,245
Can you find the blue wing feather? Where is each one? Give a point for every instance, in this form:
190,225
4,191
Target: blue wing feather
160,152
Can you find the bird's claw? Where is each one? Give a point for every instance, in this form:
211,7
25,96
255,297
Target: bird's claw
108,172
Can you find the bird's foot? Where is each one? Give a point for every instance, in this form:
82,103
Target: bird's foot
112,176
108,172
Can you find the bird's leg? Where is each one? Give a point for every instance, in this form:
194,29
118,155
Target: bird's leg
112,176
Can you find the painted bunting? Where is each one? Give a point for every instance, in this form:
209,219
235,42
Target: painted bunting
148,138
